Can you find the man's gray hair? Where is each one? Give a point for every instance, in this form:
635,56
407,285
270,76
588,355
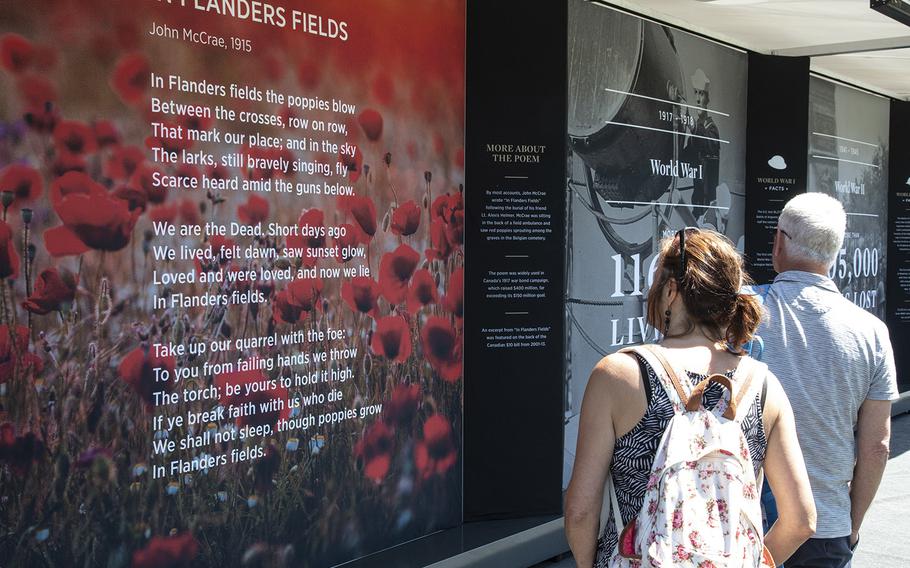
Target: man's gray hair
815,223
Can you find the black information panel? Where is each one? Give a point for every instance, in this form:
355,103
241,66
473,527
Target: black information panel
848,160
898,308
515,226
776,167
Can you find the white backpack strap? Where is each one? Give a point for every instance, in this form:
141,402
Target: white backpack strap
678,391
610,500
751,376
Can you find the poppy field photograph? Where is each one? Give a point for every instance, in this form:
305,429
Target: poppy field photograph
286,390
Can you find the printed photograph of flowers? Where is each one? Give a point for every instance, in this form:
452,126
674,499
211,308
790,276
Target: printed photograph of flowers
79,253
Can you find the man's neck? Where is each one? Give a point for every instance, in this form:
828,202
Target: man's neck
805,267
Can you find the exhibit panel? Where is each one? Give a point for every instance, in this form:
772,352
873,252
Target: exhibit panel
657,141
776,168
516,242
898,289
232,308
848,160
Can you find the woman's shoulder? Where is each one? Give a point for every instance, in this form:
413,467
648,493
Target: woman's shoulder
616,371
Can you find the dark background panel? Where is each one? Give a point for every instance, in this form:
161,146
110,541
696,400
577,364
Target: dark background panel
776,167
516,61
898,291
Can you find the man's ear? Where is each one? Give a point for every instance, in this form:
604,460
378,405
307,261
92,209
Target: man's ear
778,249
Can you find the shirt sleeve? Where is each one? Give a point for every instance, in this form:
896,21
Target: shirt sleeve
884,379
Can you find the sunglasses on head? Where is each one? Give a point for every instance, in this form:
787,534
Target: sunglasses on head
681,235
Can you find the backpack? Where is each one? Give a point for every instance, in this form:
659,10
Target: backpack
701,505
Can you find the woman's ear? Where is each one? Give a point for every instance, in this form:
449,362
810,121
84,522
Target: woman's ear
671,291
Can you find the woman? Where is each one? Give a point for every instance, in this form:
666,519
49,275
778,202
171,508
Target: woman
695,302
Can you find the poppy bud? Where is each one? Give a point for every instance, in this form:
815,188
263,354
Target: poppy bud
7,199
26,216
428,176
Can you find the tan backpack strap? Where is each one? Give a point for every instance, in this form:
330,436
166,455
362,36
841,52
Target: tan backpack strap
651,352
695,401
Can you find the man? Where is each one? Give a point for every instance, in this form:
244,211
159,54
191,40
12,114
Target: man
703,147
836,364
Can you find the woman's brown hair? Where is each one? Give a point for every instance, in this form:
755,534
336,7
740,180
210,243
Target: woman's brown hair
709,285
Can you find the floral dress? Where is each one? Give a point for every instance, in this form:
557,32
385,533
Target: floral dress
634,452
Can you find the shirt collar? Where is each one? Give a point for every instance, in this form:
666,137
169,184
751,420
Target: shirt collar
807,278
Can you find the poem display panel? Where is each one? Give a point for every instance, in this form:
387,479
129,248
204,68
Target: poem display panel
231,280
657,139
848,160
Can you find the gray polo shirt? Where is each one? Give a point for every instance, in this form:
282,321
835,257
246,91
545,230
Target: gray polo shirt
830,356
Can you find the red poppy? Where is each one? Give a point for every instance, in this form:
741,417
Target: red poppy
375,449
305,292
23,181
354,164
9,258
20,452
440,248
363,210
392,339
406,219
311,235
143,179
53,290
100,222
395,271
75,137
371,122
254,211
42,118
362,295
346,241
283,310
16,53
401,409
123,162
438,208
436,453
135,197
442,348
130,79
65,162
36,91
176,551
106,133
454,299
261,391
164,213
15,354
137,369
422,291
301,296
455,219
220,243
73,183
